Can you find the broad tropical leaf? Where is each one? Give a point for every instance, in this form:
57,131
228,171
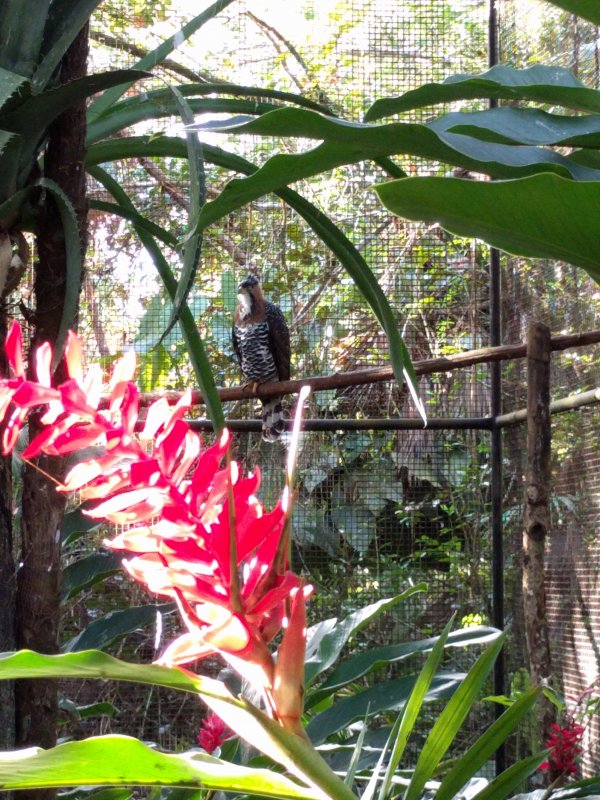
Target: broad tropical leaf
161,103
543,216
588,9
326,640
87,571
388,696
529,126
293,752
349,143
121,761
106,630
76,524
550,85
356,666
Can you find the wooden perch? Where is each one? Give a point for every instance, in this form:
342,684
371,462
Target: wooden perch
341,380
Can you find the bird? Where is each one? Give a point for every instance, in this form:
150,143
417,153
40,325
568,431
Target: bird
261,341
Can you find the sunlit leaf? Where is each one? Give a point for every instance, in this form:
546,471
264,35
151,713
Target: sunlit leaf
539,83
121,761
543,216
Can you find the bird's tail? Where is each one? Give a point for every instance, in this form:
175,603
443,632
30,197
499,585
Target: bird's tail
273,419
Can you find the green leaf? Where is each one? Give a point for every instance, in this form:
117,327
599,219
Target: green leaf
95,664
390,695
10,83
74,265
160,104
32,116
121,760
10,155
87,571
542,84
197,353
543,216
511,778
358,665
450,719
192,247
156,56
412,709
102,632
486,745
76,524
12,206
295,753
21,35
65,19
356,524
349,143
326,640
528,126
588,9
104,709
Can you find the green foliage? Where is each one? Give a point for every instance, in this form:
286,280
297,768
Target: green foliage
120,761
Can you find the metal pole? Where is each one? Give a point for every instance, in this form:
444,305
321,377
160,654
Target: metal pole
367,424
496,434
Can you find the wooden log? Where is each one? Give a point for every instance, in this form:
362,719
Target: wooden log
536,512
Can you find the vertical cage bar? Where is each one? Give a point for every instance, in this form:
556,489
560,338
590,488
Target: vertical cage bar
496,434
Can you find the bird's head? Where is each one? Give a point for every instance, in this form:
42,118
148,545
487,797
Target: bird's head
248,292
247,285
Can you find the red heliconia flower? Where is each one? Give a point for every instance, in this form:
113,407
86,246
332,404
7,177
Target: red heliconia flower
213,733
196,530
565,744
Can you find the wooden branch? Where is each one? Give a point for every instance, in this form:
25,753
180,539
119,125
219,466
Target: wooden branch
341,380
536,513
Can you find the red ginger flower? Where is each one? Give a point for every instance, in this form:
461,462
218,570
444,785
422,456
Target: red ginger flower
199,535
213,733
565,744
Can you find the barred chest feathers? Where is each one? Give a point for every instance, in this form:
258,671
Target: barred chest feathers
256,357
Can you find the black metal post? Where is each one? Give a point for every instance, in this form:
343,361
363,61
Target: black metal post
496,433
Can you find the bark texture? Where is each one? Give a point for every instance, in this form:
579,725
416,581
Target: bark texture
7,580
38,579
536,515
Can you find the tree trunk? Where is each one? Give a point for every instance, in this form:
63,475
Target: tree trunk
7,579
536,516
38,603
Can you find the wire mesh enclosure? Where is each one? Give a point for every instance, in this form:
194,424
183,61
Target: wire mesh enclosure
391,505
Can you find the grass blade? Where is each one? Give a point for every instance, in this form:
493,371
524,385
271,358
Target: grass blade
451,718
412,709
